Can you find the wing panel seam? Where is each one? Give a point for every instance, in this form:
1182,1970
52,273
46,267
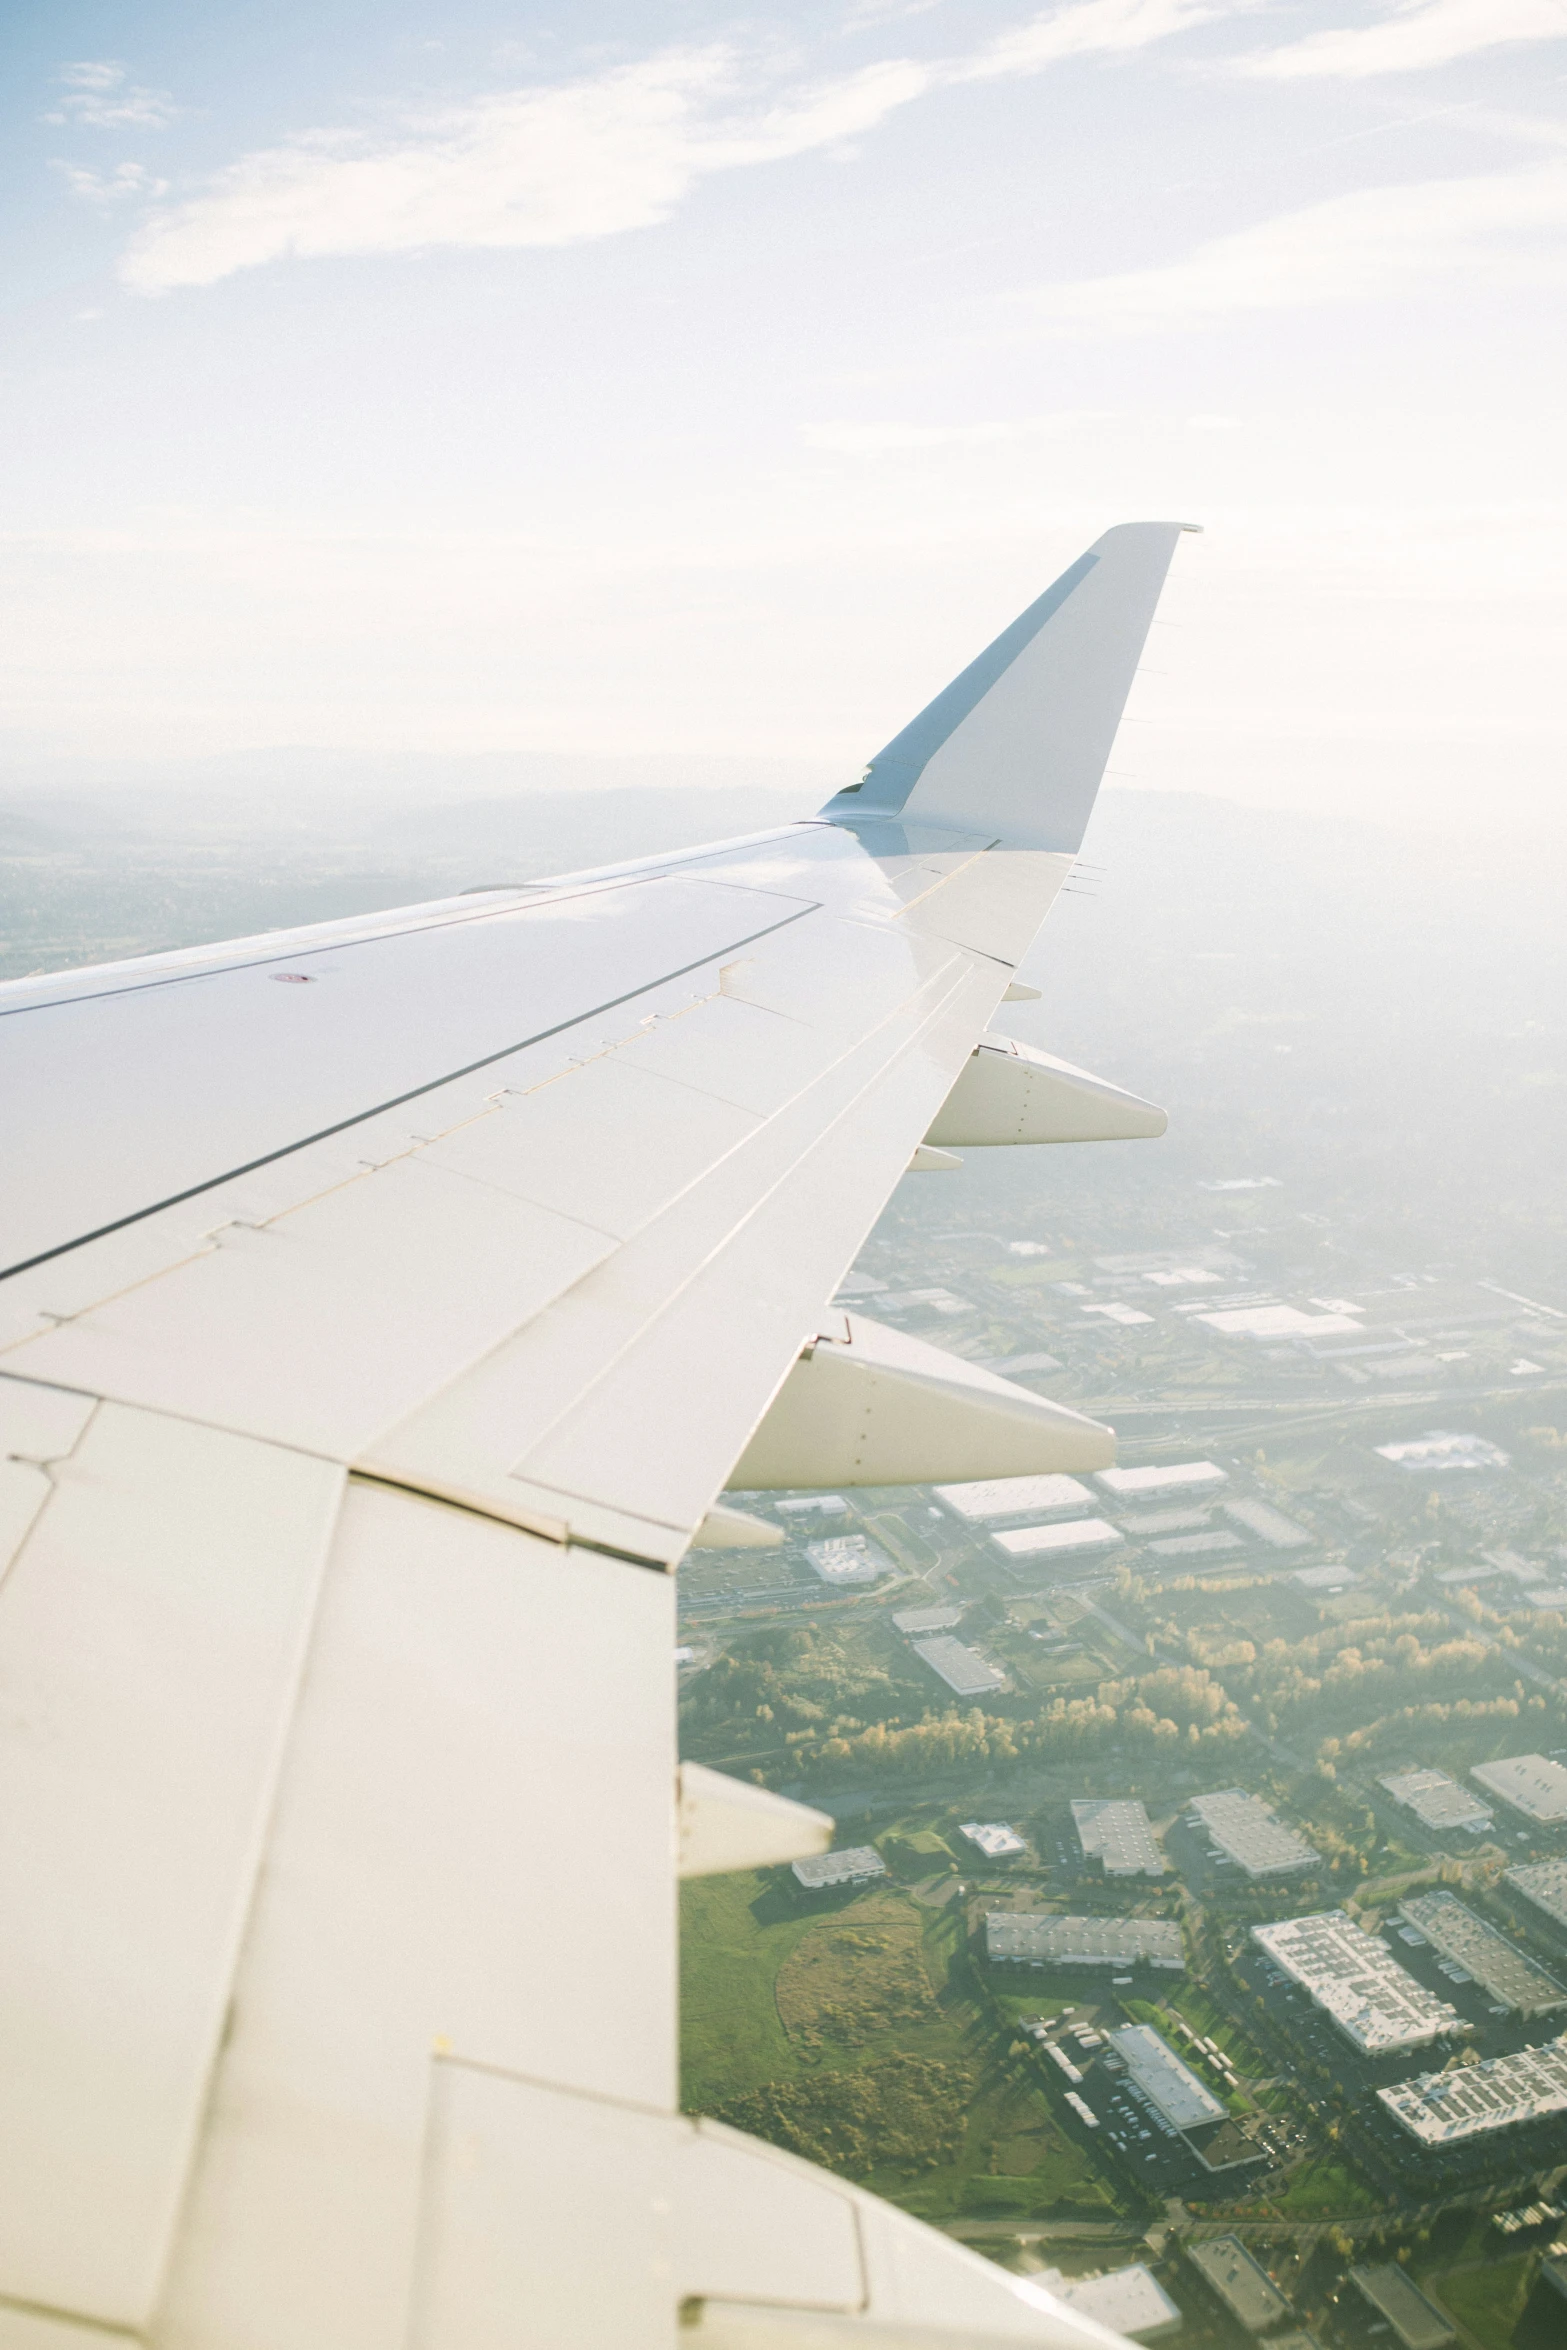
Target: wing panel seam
414,1093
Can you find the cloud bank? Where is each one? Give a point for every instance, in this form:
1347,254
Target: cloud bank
1416,37
1344,250
565,163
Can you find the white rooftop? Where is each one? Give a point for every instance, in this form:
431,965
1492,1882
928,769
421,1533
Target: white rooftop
846,1558
1545,1884
1437,1800
1468,2101
1166,1477
1531,1783
1010,1497
1042,1938
856,1864
1442,1451
927,1619
1058,1541
1116,1833
1251,1834
1354,1978
1260,1517
1497,1965
993,1838
1185,2102
962,1668
1240,2281
1129,2301
1278,1322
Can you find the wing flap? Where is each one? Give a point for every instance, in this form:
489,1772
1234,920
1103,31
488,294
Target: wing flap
152,1630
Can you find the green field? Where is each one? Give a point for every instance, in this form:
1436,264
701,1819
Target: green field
1490,2300
855,2034
1326,2187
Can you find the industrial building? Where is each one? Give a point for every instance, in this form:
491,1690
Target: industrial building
1178,1545
847,1558
1466,1941
857,1864
1438,1801
1442,1451
1545,1884
1035,1938
1167,1477
963,1669
1171,2087
1061,1541
1417,2322
1246,2290
1354,1978
994,1839
1011,1497
1470,2101
912,1620
1531,1783
1260,1518
1129,2301
1249,1832
1118,1836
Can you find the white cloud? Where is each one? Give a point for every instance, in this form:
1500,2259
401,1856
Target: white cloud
111,187
1090,28
556,164
1344,250
891,440
100,93
1414,37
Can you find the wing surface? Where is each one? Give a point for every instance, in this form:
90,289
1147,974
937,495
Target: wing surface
387,1305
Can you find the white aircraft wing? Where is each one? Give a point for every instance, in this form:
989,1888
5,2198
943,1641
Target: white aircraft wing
386,1307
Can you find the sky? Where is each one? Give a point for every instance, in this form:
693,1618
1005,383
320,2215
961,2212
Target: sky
673,383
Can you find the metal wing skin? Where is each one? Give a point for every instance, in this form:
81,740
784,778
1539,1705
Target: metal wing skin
386,1307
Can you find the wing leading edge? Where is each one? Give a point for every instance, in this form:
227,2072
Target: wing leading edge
369,1338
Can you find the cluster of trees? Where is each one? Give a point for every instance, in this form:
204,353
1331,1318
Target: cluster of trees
792,1685
1400,1729
1175,1708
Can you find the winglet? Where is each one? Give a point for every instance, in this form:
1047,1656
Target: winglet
1016,745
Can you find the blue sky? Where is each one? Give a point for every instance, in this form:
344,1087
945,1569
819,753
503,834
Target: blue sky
678,381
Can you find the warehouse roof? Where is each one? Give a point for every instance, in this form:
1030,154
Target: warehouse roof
1128,2300
961,1667
1470,2101
1481,1951
994,1838
856,1864
1418,2323
1245,2288
1042,1937
1117,1834
1010,1497
927,1619
1057,1541
1185,2101
1545,1884
1437,1800
1165,1477
1353,1977
1250,1832
1531,1783
1261,1518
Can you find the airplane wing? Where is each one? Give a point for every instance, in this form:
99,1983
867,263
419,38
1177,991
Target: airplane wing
385,1308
